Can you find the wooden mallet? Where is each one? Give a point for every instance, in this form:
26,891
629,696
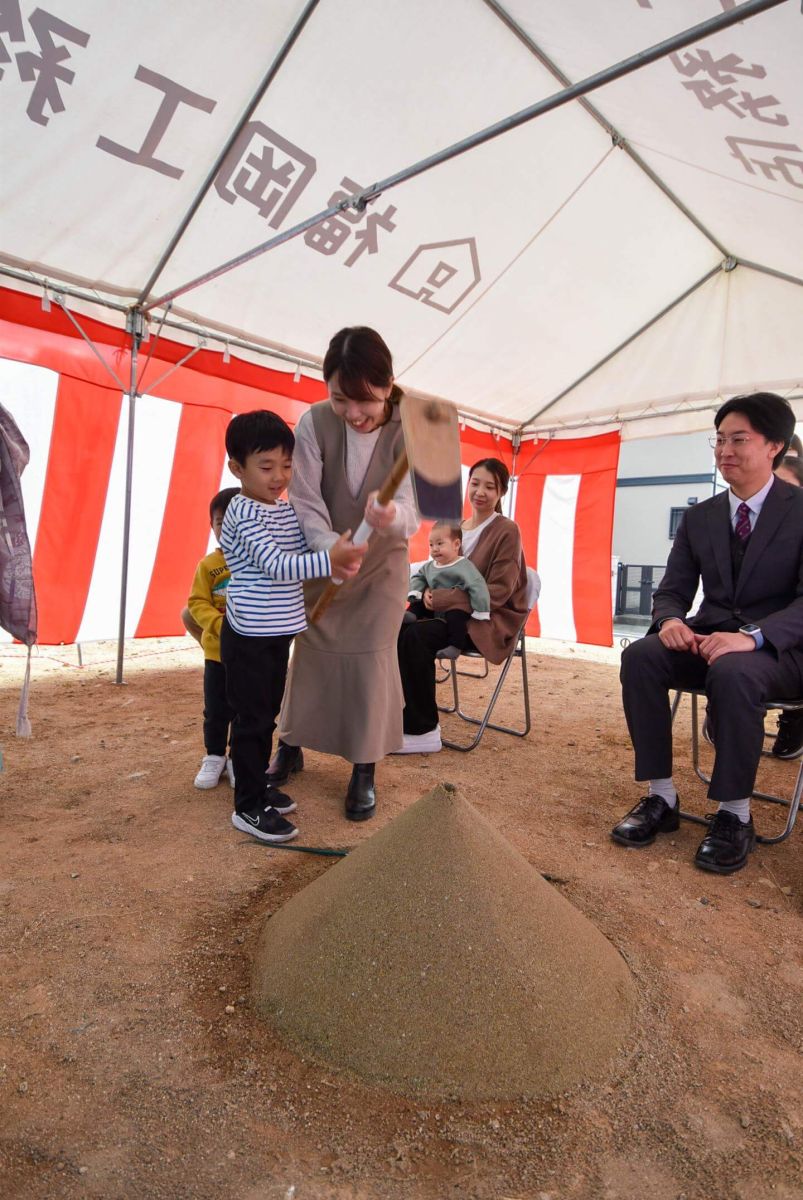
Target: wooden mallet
432,456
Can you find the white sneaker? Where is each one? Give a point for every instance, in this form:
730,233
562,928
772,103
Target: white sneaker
421,743
212,767
230,771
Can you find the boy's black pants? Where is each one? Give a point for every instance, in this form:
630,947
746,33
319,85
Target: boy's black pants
256,670
218,713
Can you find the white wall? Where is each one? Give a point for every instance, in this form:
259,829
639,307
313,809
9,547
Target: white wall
641,517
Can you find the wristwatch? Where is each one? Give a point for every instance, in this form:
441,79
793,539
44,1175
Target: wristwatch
752,631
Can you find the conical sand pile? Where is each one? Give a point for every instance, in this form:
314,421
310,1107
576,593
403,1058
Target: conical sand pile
435,959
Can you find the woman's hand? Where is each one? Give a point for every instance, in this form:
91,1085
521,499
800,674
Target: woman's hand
427,599
379,516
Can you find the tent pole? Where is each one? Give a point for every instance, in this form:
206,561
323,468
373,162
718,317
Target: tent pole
634,62
58,298
762,270
618,139
190,354
264,84
135,325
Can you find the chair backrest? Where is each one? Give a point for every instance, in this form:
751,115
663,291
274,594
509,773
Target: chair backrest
533,588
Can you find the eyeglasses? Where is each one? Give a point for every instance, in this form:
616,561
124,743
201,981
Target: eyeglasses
736,439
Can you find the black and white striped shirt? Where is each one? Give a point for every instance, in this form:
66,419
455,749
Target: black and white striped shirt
268,558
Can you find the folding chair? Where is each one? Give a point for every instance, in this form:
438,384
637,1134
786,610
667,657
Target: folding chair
519,651
792,805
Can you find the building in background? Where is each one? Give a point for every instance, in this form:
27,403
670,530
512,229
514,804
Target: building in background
658,479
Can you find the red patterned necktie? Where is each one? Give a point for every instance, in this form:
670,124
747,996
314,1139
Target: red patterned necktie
743,522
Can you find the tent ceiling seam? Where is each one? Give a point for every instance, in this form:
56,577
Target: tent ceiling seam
255,100
655,412
633,62
618,139
628,340
509,265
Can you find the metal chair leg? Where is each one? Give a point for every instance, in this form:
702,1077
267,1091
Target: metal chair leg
792,805
485,722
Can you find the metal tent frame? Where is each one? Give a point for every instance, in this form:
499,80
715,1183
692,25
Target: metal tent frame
137,313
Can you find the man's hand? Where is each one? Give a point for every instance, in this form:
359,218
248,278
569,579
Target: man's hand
427,598
676,635
713,645
379,516
345,557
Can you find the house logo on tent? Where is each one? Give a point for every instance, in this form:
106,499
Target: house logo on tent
440,274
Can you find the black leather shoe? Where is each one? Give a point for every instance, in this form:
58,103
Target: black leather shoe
361,796
789,742
287,761
651,816
725,847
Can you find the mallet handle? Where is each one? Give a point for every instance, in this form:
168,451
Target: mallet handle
384,496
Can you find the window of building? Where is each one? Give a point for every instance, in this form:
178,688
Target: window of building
675,517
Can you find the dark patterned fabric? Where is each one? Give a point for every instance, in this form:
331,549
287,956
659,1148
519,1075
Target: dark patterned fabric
17,597
742,526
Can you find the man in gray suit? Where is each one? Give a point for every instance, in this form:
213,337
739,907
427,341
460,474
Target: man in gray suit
745,643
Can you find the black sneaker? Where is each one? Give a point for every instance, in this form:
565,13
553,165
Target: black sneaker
789,742
280,801
267,825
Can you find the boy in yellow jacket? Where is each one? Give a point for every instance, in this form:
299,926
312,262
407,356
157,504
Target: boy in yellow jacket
203,618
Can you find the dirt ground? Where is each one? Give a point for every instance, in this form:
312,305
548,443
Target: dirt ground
131,1063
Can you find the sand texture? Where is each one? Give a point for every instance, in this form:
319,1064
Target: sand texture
436,959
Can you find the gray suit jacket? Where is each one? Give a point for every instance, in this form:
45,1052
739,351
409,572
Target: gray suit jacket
769,590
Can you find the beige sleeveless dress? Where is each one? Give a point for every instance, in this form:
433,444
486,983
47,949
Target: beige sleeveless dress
343,693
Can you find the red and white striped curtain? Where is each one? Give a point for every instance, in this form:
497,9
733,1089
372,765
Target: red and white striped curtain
76,422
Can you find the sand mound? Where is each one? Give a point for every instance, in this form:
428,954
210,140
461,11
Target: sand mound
435,959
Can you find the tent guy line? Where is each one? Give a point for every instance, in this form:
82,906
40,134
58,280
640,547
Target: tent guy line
360,200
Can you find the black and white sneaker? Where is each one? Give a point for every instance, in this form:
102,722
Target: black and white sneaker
280,801
789,742
267,825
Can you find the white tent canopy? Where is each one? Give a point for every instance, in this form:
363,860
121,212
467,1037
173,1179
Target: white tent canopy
626,259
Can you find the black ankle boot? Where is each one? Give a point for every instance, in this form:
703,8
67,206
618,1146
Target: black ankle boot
287,761
361,796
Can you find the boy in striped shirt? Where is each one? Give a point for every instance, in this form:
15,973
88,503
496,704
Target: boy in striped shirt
268,559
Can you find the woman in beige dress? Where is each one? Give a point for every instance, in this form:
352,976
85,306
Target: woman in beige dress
343,692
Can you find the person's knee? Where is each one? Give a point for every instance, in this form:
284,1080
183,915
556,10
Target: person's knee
640,655
734,675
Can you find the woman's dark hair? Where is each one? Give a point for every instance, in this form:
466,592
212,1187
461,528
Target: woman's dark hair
495,467
796,446
362,360
220,502
256,432
794,466
769,415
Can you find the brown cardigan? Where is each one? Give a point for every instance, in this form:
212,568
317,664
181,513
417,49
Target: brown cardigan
499,558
